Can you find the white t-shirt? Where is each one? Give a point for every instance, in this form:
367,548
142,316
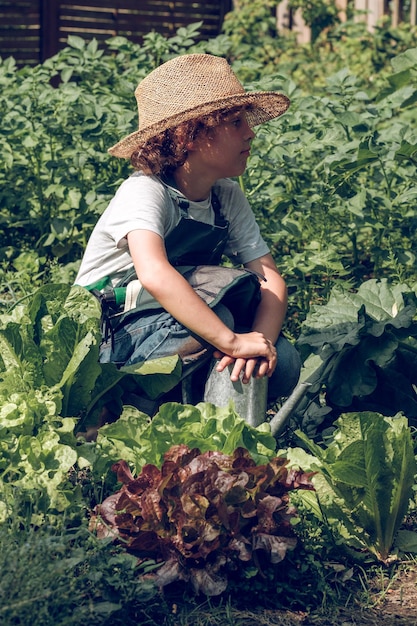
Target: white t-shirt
144,202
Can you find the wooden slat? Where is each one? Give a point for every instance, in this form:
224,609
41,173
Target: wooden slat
95,17
20,31
33,30
133,22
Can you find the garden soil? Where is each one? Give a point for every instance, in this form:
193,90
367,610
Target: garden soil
396,606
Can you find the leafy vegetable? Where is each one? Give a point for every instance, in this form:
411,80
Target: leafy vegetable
363,347
365,479
51,382
139,440
205,515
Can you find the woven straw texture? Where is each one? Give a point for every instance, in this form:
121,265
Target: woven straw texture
189,86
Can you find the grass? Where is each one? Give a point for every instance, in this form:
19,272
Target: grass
67,577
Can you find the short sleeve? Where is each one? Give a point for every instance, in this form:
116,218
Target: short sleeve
245,241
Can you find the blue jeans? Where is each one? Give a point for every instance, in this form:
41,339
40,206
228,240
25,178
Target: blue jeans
158,334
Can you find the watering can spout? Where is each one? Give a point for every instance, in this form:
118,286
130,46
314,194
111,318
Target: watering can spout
280,418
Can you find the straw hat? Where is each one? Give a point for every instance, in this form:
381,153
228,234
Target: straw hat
189,86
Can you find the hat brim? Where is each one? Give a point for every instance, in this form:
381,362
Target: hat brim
265,106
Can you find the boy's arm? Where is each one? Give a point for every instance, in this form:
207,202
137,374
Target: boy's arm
177,297
272,308
269,316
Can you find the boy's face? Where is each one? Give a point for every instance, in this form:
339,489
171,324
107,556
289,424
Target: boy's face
225,150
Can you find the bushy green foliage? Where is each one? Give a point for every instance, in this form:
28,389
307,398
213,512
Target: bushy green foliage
68,578
138,440
360,354
331,182
333,186
57,122
260,48
364,481
51,383
334,182
317,14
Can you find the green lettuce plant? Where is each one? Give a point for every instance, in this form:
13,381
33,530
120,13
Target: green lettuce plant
360,354
51,384
138,440
364,481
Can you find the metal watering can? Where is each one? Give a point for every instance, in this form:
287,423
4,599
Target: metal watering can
250,399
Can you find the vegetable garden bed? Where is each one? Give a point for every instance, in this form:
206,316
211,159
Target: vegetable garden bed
334,188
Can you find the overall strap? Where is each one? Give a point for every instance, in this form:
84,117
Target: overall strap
183,204
219,219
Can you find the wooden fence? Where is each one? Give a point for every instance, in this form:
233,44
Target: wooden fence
33,30
370,11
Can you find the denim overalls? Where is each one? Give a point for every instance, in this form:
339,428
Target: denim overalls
139,336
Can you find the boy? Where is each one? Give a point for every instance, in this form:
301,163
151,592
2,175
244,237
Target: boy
180,208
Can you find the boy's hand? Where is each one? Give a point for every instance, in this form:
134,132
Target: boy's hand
246,364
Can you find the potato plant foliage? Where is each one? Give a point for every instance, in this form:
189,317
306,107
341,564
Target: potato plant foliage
332,182
333,185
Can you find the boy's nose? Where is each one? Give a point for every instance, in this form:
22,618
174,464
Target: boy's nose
250,133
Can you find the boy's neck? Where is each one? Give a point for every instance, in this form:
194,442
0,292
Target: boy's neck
194,187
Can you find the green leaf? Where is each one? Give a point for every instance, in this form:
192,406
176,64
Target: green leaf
76,42
20,357
66,74
156,376
80,375
365,342
371,472
406,541
406,151
405,60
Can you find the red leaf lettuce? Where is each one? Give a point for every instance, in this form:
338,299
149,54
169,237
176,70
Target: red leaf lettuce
203,516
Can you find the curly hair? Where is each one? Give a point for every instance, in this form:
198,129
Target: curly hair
163,154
